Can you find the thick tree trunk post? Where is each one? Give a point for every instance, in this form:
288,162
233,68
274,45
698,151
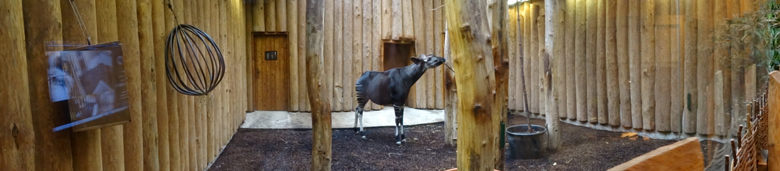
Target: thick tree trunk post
160,35
621,34
601,72
591,28
663,66
554,44
42,27
690,55
774,121
579,63
127,26
635,62
88,153
704,67
613,88
497,13
18,142
474,67
149,85
320,102
571,35
648,65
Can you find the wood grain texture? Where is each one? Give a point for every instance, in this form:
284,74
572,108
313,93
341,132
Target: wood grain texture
249,16
281,17
704,68
677,81
554,12
328,52
635,62
601,72
611,62
682,155
408,22
321,121
338,61
258,16
366,42
271,21
691,74
542,62
737,73
621,35
376,40
591,37
774,121
130,50
648,64
172,99
579,62
416,99
111,137
272,90
429,49
571,74
397,17
387,19
159,36
295,76
663,64
302,55
438,41
511,28
149,85
357,47
532,60
18,149
722,107
349,81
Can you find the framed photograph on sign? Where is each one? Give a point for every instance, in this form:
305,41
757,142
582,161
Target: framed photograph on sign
92,80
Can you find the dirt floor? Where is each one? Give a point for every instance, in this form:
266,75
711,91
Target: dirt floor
582,149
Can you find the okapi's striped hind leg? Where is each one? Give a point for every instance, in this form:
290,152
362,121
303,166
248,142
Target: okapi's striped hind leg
359,110
399,124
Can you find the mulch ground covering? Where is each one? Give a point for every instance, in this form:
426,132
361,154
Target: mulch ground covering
582,149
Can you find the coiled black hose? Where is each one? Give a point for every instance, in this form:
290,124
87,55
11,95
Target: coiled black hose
192,54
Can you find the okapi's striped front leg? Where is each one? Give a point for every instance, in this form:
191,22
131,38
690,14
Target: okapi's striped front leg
359,111
399,124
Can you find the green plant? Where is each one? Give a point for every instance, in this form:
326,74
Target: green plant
751,38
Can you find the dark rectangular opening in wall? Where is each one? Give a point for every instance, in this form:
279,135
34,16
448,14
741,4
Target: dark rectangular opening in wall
396,54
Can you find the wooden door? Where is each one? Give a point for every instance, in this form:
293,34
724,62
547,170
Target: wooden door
271,72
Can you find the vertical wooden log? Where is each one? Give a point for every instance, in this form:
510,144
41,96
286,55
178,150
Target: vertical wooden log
663,66
172,97
554,11
648,65
216,100
258,16
676,37
532,60
512,31
321,121
270,15
366,45
376,39
397,16
387,19
720,111
18,142
467,44
349,83
328,55
128,26
182,110
338,49
292,32
408,22
149,85
704,67
774,121
590,59
438,38
579,62
160,35
621,35
201,102
570,73
302,54
722,107
249,70
542,62
87,155
357,46
111,137
419,48
429,96
691,86
601,73
611,62
635,63
281,17
737,73
496,17
451,102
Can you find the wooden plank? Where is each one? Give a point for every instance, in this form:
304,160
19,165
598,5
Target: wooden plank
511,34
258,16
429,49
601,73
397,16
682,155
635,63
590,60
271,21
321,121
579,62
172,98
181,149
189,104
472,152
201,102
648,65
704,67
376,39
415,99
532,60
295,76
438,35
149,85
111,137
338,49
302,52
160,35
130,49
691,86
357,47
18,152
387,19
88,156
329,53
349,83
676,37
249,16
613,88
408,22
542,62
366,45
621,35
559,61
663,66
571,35
774,121
215,100
281,17
722,105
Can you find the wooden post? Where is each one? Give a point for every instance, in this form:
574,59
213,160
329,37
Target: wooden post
720,111
349,83
160,36
691,86
559,58
579,62
600,58
774,121
663,66
408,22
497,22
570,73
128,25
87,155
357,47
329,52
451,98
200,104
397,16
292,34
613,88
387,19
321,121
429,95
591,28
704,66
281,17
676,38
111,137
19,142
302,57
270,14
376,43
181,110
338,49
532,59
475,113
621,35
554,11
366,56
149,85
648,64
635,62
258,16
417,91
542,62
722,107
171,95
438,39
737,74
249,37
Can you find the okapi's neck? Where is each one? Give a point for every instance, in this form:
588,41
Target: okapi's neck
410,74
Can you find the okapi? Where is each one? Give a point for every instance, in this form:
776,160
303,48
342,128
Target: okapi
391,87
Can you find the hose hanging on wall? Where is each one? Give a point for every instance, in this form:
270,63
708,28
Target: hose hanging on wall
193,61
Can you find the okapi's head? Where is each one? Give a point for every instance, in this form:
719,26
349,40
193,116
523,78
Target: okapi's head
428,61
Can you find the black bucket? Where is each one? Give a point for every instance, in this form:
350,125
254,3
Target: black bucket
525,145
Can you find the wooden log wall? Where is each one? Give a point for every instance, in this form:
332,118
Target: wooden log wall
160,135
355,32
644,65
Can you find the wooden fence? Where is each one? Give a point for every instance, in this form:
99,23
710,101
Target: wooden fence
168,131
636,64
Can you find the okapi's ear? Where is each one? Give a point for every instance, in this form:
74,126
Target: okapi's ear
416,60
